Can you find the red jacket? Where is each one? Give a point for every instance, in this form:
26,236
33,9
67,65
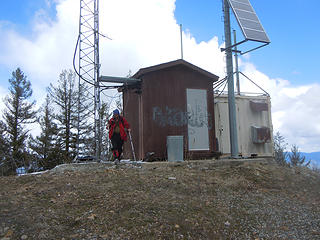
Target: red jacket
122,125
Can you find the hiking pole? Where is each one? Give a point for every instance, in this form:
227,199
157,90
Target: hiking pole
132,148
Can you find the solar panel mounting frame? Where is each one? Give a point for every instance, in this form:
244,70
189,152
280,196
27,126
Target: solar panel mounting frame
244,24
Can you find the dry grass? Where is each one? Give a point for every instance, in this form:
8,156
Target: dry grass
190,200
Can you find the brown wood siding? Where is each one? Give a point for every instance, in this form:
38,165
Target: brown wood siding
161,110
164,95
131,112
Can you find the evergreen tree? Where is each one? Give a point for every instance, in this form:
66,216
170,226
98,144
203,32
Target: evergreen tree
65,97
4,150
85,129
119,103
295,157
106,144
279,149
73,115
45,146
18,113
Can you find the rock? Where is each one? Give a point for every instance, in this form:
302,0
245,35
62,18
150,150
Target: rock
227,224
92,216
8,234
5,229
24,237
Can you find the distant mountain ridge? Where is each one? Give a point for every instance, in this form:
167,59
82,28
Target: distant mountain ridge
313,156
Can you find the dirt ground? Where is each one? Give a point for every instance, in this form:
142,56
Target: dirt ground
207,199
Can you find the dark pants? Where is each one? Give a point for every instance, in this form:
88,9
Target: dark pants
117,144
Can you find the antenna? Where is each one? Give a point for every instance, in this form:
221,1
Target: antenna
236,58
89,69
231,99
253,31
89,66
181,41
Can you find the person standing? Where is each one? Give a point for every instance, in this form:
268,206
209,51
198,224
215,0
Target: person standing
117,134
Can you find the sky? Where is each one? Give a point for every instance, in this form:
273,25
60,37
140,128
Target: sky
39,36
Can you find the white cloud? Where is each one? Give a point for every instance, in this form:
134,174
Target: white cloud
145,33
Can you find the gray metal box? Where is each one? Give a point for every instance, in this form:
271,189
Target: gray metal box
175,148
260,134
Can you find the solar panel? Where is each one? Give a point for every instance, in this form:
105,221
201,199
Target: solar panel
248,21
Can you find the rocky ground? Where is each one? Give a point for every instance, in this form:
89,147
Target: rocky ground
208,199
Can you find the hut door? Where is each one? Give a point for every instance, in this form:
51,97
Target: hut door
198,132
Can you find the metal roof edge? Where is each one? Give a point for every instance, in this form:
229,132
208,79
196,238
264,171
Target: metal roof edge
143,71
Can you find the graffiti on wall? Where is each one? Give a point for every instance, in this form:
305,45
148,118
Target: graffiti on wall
195,117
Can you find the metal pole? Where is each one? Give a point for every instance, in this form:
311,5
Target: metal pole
79,83
98,80
231,98
236,58
181,41
97,114
132,148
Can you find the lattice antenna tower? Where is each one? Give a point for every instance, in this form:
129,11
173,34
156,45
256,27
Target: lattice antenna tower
89,66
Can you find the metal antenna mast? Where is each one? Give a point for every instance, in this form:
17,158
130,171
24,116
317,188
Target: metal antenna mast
231,98
252,31
89,66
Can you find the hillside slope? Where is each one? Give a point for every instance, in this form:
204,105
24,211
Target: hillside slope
189,200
